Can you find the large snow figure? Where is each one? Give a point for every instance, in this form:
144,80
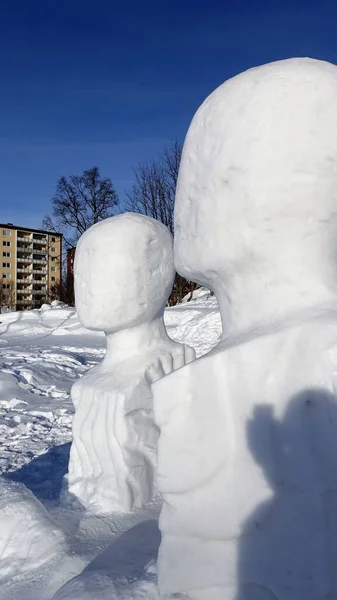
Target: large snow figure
123,275
248,447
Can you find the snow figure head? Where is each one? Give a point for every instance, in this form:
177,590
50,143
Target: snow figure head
123,272
256,202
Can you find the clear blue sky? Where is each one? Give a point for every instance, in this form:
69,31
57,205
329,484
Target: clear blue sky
109,83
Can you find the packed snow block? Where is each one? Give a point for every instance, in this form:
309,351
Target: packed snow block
28,537
123,276
247,452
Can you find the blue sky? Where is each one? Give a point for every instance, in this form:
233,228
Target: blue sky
109,83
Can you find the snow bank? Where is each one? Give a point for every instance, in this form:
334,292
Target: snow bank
50,319
28,537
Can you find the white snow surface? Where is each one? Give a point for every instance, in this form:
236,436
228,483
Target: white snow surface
42,353
247,452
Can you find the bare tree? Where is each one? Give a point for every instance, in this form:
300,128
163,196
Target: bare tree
63,292
153,194
171,158
79,202
154,186
7,296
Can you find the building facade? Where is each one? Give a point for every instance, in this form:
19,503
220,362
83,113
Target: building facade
30,267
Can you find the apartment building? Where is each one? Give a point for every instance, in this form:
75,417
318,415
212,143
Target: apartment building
30,266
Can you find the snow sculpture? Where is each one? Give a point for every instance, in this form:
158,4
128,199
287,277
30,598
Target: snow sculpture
123,275
248,449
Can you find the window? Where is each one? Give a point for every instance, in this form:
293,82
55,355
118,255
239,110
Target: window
6,276
5,297
6,286
53,249
53,239
53,269
6,232
53,278
6,265
54,259
7,254
6,243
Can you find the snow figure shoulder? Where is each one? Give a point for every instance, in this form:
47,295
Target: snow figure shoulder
247,446
123,276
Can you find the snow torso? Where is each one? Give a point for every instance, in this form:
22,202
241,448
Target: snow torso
257,456
113,455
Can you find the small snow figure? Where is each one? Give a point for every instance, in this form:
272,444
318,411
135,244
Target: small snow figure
123,276
247,453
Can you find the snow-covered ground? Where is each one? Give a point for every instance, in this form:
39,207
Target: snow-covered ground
42,353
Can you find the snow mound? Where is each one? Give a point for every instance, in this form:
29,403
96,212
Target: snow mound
126,570
51,319
28,537
196,323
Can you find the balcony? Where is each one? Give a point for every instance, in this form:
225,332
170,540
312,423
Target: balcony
24,302
39,292
43,241
23,260
24,291
24,270
22,238
26,281
40,262
40,250
25,249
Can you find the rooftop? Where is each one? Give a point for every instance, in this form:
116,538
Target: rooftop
31,229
